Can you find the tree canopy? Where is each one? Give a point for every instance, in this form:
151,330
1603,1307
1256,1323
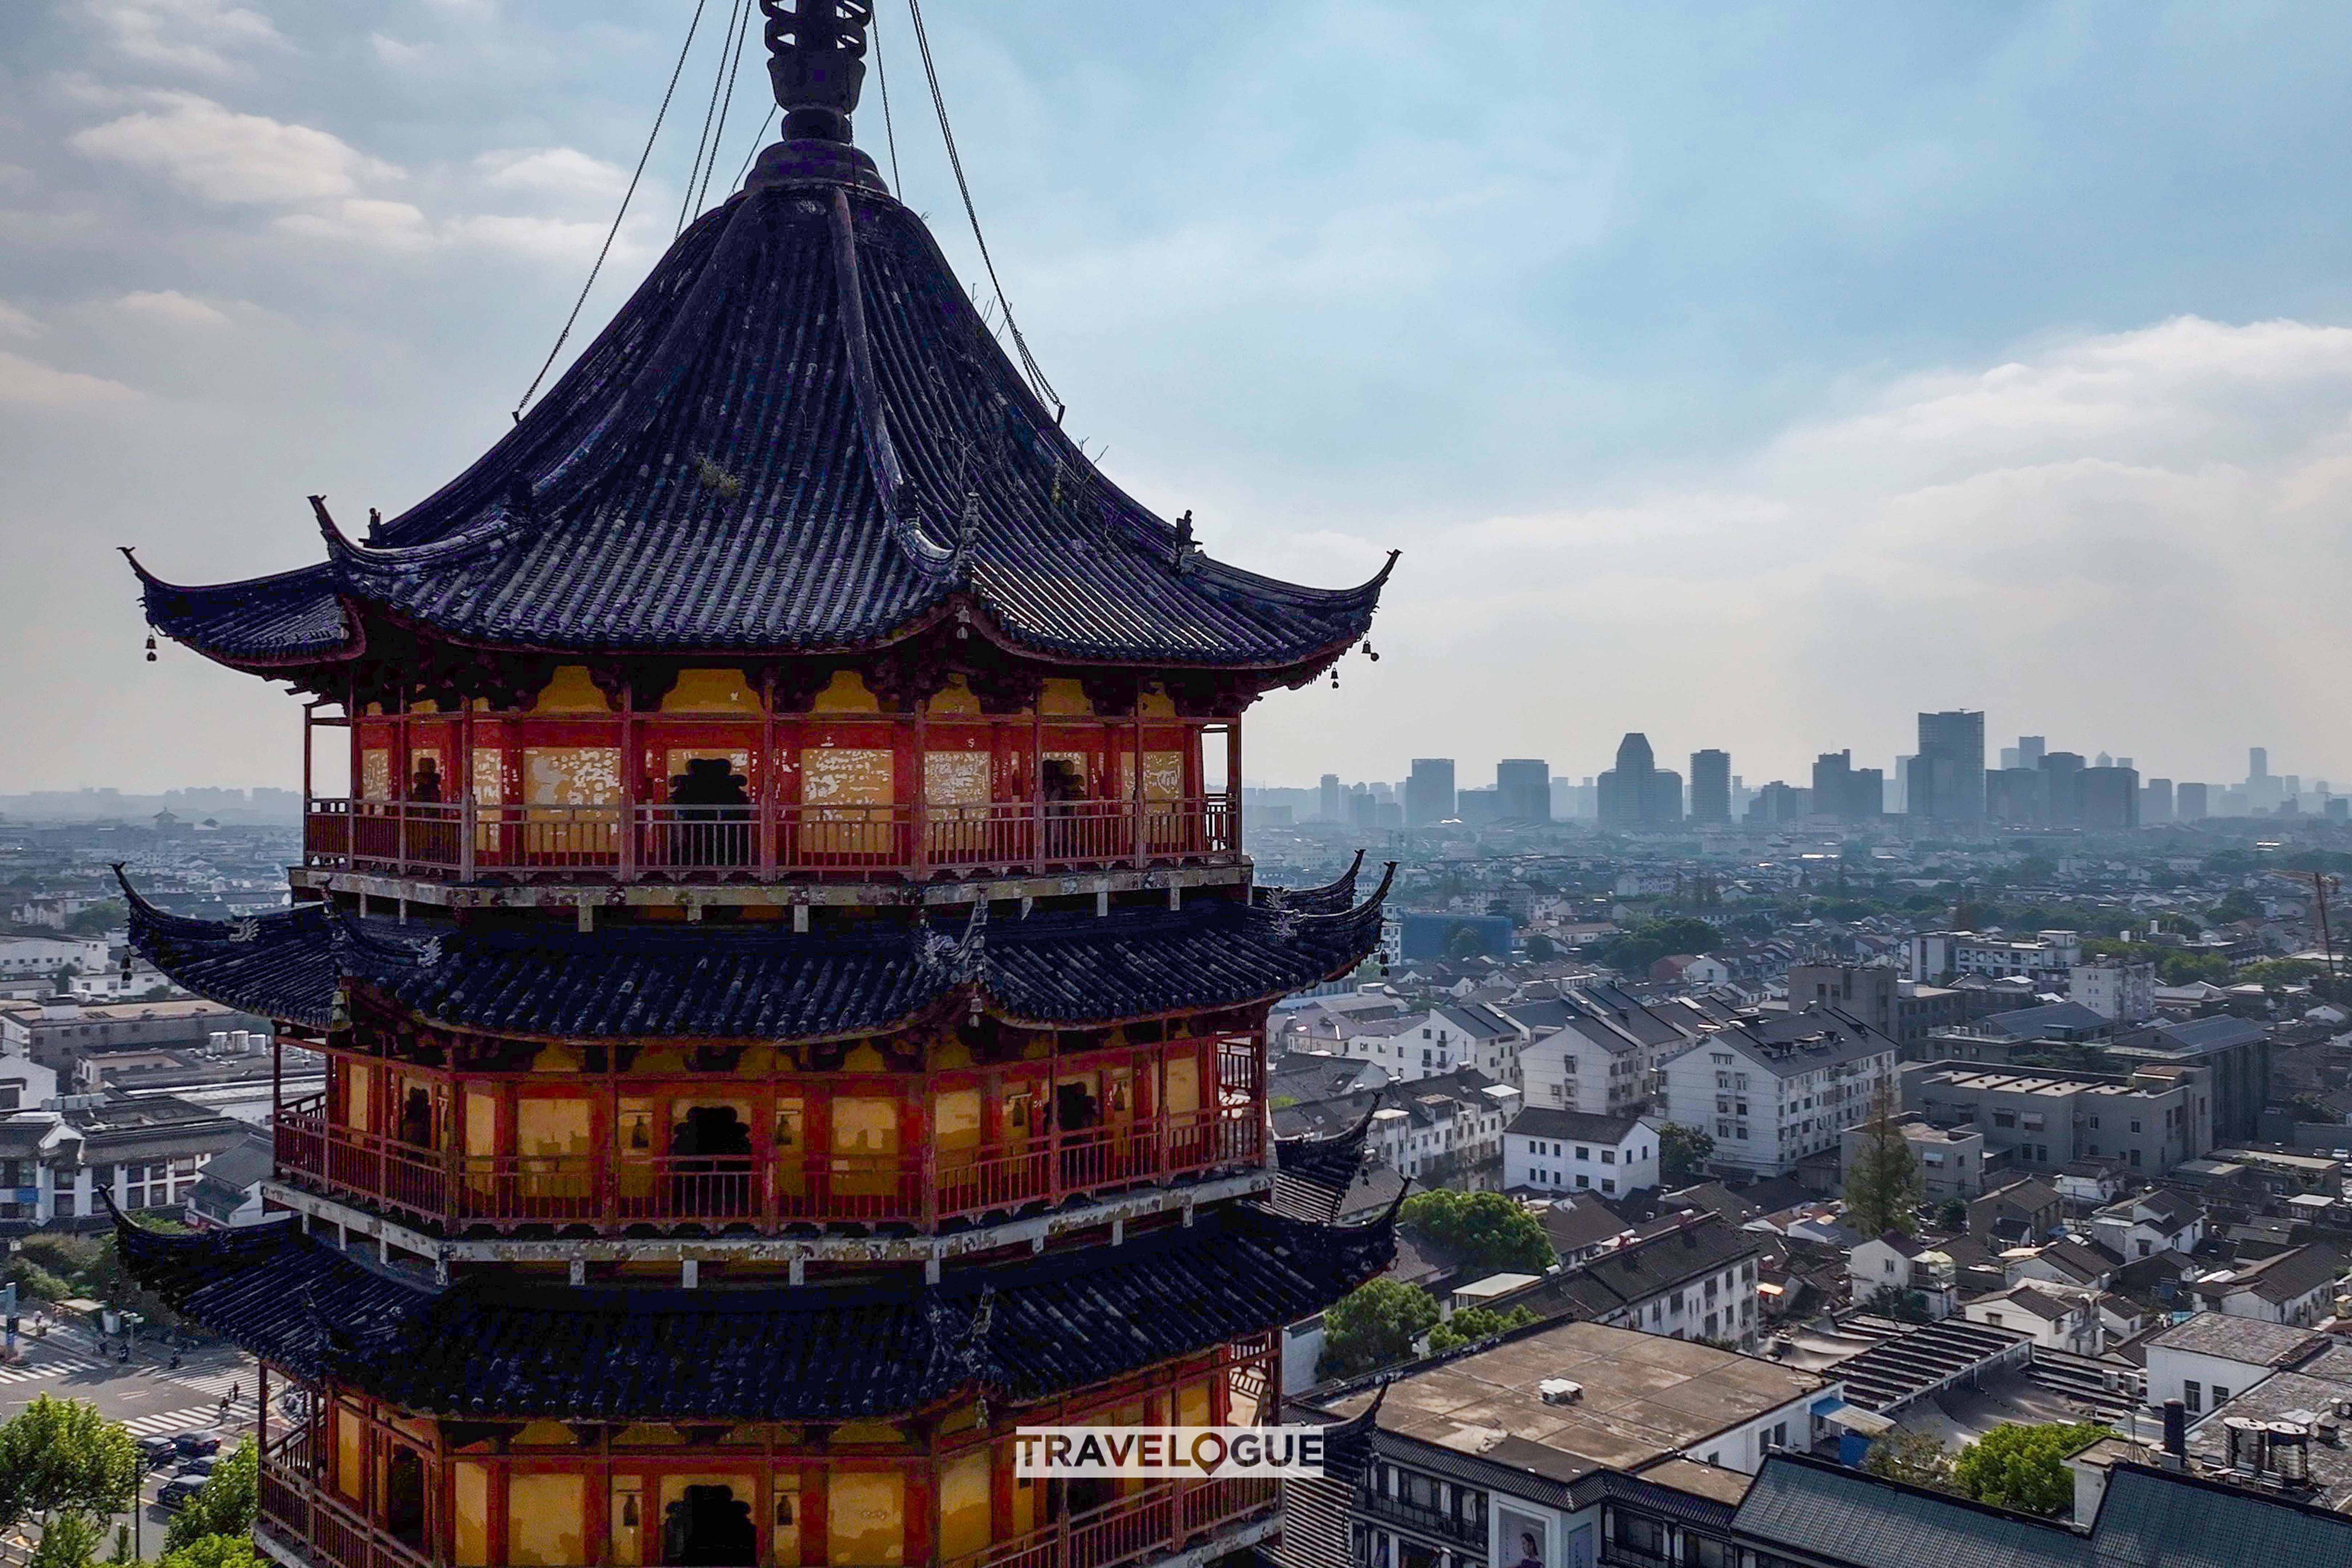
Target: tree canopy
1634,951
1471,1324
60,1456
1917,1458
1683,1153
224,1505
1480,1230
2024,1467
1373,1326
213,1551
1884,1188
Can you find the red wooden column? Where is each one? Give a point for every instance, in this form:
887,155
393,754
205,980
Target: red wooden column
771,777
919,858
1136,804
630,764
1038,780
1234,784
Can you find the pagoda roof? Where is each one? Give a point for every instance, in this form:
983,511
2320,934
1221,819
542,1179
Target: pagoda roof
493,1347
752,981
797,437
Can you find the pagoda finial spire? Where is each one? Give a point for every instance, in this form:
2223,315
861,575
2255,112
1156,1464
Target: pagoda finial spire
816,59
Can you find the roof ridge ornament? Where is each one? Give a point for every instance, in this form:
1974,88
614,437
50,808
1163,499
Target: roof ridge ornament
816,62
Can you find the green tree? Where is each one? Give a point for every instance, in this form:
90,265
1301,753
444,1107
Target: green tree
1542,949
1480,1230
224,1505
2237,904
1894,1302
1917,1457
1952,1215
213,1551
1683,1154
1471,1324
2024,1467
68,1540
60,1456
1465,942
99,918
1372,1326
1883,1189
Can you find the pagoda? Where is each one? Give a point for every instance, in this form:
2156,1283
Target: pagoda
792,993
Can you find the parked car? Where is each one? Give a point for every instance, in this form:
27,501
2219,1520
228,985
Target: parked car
154,1451
175,1492
196,1444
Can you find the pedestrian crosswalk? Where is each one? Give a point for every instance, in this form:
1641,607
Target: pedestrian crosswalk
53,1363
170,1421
237,1381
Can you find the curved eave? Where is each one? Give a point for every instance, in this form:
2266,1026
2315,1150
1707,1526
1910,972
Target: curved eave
1330,898
1050,971
286,619
513,1351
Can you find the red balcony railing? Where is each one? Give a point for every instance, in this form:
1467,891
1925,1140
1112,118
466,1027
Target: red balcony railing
622,1187
762,841
321,1529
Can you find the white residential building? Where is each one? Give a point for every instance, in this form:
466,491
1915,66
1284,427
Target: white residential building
1463,1035
1549,1151
1599,1048
1773,1089
2123,992
2049,955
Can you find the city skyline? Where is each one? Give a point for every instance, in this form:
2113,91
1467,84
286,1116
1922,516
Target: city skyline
1748,396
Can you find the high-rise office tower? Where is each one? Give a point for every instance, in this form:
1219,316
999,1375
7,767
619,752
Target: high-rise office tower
1626,790
2188,801
1947,781
2029,749
1429,792
1332,806
2110,797
1523,788
2156,801
2062,788
2258,763
1710,786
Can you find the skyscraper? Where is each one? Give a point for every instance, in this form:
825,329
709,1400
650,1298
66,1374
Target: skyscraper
1947,782
2156,801
1429,792
1332,805
1627,789
1523,788
2110,797
2029,749
1710,786
2190,802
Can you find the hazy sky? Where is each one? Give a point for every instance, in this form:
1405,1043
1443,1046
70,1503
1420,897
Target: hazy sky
1751,375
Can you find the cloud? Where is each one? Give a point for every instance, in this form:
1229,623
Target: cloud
2090,538
220,155
197,36
16,323
171,305
30,384
564,173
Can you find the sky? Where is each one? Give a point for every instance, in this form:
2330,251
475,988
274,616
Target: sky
1754,375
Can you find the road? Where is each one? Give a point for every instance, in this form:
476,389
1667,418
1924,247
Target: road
144,1395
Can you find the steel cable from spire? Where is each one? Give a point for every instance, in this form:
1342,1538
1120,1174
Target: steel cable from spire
889,131
726,107
651,137
703,144
1021,346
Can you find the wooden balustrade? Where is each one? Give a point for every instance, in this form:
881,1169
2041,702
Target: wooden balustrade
762,841
322,1529
619,1188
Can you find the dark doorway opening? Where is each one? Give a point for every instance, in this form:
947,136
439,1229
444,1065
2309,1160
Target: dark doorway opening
710,1528
404,1497
710,1163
